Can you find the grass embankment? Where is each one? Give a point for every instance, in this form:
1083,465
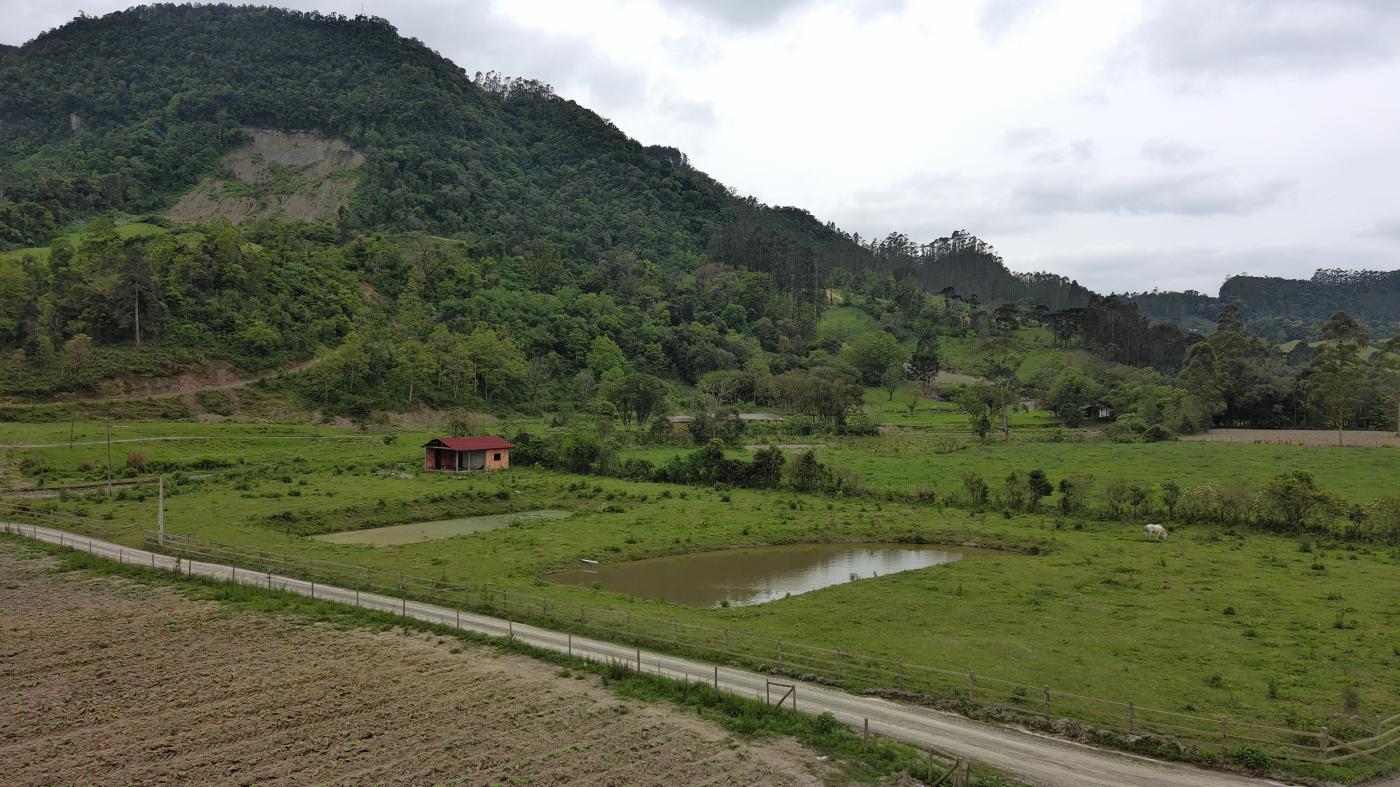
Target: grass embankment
1248,625
860,761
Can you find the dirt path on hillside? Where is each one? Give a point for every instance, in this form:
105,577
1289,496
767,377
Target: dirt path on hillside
114,682
191,384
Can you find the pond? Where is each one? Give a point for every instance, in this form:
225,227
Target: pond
754,575
394,535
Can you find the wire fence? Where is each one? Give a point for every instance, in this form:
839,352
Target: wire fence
846,669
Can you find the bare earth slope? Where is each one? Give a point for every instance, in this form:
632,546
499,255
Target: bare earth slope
113,682
281,175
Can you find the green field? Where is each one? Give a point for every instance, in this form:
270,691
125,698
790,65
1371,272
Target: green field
908,462
1211,622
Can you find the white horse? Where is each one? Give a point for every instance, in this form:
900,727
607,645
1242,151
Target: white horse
1156,531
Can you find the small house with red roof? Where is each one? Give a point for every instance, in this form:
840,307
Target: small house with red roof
453,454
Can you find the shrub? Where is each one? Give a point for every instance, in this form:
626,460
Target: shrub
136,460
1252,758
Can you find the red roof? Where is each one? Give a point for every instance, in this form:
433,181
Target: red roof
486,443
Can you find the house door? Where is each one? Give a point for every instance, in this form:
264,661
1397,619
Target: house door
476,460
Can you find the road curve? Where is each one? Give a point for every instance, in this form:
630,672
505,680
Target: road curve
1036,759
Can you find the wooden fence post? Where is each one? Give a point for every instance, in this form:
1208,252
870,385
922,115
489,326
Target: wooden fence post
1324,740
1047,699
1131,719
1224,731
865,736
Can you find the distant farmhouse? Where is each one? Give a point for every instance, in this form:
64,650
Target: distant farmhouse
453,454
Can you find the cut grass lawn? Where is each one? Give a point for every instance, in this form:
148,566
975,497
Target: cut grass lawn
1212,622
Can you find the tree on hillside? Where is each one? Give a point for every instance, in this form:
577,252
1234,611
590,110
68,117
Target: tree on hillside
499,364
635,395
1336,376
75,354
1000,370
872,354
977,413
1201,378
1386,370
1071,395
604,355
925,364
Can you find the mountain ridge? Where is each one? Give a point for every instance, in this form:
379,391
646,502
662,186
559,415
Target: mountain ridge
129,110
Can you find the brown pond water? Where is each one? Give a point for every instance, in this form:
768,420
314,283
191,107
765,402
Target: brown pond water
754,575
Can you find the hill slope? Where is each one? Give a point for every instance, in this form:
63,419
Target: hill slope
129,110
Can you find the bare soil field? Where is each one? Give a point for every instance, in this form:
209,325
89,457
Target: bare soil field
1296,437
110,681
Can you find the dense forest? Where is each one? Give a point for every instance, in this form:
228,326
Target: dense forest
507,248
1287,309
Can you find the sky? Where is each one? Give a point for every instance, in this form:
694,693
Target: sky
1129,145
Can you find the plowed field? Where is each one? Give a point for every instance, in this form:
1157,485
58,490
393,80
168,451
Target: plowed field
109,681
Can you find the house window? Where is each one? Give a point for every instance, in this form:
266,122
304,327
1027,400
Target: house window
496,457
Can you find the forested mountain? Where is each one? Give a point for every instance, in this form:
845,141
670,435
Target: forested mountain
497,246
1286,309
128,110
967,265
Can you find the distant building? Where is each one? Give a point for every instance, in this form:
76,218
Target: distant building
452,454
760,417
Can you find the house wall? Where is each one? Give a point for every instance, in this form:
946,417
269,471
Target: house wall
497,459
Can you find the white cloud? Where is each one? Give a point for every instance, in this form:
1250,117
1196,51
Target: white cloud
1219,38
1171,151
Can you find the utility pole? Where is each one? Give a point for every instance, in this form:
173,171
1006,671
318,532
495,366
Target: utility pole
160,509
109,456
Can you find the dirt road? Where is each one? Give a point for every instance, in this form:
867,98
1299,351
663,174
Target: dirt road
1034,758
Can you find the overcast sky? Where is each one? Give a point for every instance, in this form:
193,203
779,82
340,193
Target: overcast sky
1129,145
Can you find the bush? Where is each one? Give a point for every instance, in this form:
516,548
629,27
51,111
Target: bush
136,460
1251,758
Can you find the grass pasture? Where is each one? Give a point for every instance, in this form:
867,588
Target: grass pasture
394,535
910,461
1215,622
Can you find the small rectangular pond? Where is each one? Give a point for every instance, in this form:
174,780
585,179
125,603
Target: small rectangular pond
754,575
395,535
